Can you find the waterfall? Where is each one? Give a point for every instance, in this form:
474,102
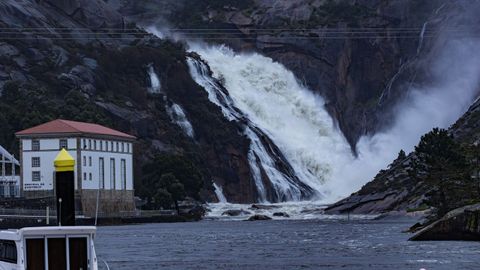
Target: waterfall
219,193
274,103
177,115
263,156
154,80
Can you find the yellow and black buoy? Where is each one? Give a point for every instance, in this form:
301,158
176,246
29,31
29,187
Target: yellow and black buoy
64,188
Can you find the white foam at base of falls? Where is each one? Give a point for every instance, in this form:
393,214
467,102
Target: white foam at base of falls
305,210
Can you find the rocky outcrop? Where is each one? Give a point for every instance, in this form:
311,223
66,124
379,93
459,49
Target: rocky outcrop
259,217
459,224
236,212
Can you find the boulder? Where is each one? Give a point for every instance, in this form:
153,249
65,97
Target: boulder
236,212
459,224
259,217
281,214
263,207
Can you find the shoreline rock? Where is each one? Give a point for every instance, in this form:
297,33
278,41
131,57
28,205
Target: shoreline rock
258,217
459,224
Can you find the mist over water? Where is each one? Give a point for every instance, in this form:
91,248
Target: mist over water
295,118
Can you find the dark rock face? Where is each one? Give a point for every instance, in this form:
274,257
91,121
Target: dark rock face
258,217
459,224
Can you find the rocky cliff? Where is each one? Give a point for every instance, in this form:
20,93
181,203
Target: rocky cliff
351,52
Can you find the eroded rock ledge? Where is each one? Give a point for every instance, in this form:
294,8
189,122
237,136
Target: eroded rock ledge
459,224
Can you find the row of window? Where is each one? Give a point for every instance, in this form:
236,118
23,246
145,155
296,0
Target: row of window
123,173
122,147
90,144
63,143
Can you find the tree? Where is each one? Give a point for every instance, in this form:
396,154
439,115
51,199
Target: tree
441,163
173,187
182,168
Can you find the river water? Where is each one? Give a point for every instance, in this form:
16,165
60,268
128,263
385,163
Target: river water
278,244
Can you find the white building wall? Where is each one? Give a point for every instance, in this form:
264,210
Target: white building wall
94,170
91,149
49,149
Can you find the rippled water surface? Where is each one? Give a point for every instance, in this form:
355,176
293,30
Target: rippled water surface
278,244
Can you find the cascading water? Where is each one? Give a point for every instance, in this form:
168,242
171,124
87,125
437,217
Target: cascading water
262,157
274,102
155,85
177,115
219,193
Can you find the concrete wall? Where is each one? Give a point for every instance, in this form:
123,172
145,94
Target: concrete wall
111,202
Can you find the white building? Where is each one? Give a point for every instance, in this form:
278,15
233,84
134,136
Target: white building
103,161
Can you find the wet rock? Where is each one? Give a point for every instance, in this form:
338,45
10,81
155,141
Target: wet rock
83,73
263,207
281,214
90,63
459,224
34,54
7,50
259,217
236,212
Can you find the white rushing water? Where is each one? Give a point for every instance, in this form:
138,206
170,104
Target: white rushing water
155,85
177,115
294,118
259,155
219,193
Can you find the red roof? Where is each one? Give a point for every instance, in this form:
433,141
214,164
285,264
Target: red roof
66,126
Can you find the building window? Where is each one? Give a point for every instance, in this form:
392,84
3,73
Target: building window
90,176
95,144
128,148
84,144
101,145
84,176
111,146
101,167
84,161
63,144
35,145
117,149
90,161
90,144
112,173
36,176
123,147
123,175
35,162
